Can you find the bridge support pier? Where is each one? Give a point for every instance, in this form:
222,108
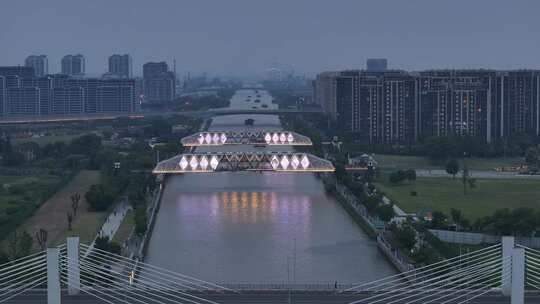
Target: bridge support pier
518,276
53,276
508,245
73,273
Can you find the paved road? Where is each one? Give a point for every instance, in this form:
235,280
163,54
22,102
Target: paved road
149,114
268,298
484,174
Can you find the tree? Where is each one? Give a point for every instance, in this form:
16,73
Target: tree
88,144
397,177
452,167
438,220
532,156
410,175
369,176
140,221
465,178
99,198
19,244
386,212
41,237
472,182
69,219
75,198
405,235
105,244
457,216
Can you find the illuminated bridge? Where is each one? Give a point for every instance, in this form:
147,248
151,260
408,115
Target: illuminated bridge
208,162
217,138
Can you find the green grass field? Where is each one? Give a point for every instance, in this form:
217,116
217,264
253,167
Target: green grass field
386,161
20,196
443,194
52,215
125,229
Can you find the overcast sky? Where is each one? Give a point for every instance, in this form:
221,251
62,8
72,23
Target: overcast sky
238,36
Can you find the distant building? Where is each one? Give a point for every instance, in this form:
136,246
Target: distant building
19,71
2,94
158,82
379,107
102,95
45,85
376,64
67,100
60,94
39,63
120,66
324,92
22,102
73,65
401,107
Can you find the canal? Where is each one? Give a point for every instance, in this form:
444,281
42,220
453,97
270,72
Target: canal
259,227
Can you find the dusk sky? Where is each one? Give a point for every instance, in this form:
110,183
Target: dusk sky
243,37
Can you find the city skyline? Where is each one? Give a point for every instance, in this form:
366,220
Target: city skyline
245,38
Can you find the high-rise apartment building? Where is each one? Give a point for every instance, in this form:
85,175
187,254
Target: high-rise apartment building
400,107
378,106
324,92
159,83
518,103
22,102
376,64
120,66
2,95
19,71
67,100
73,65
40,63
457,103
62,95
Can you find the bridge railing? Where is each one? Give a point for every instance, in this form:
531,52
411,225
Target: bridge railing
323,286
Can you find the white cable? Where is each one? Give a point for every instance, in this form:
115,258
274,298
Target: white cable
108,259
33,285
424,269
160,274
94,269
104,276
100,292
531,257
407,290
161,270
20,259
26,264
161,288
23,288
491,282
456,289
533,272
17,276
463,270
533,285
85,291
533,276
475,277
86,278
493,257
535,280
